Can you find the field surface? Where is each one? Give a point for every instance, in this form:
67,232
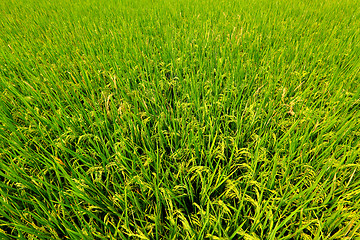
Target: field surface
179,119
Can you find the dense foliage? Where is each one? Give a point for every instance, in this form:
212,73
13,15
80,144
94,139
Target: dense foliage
179,119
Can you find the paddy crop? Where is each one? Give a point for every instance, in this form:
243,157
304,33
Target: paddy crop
179,119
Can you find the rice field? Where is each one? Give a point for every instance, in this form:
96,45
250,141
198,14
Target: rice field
179,119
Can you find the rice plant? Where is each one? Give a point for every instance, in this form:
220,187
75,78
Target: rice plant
167,119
